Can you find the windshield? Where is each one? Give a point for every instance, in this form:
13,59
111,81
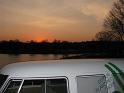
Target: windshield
2,79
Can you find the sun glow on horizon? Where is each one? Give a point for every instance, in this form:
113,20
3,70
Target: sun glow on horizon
39,39
39,20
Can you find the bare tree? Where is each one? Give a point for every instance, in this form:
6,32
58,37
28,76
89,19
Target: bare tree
113,27
106,36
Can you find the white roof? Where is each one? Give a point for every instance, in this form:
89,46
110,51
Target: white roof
51,68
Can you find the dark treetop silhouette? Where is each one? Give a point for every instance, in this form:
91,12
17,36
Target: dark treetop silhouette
113,27
86,49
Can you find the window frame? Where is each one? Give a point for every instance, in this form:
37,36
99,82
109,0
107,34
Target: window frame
22,79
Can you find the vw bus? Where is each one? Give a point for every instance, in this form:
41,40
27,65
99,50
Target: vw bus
64,76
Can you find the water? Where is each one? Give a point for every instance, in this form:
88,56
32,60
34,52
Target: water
7,59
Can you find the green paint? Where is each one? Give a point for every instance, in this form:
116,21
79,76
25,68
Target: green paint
110,67
116,92
121,73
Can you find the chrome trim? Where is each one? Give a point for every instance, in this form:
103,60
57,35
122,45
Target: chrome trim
8,82
45,86
20,86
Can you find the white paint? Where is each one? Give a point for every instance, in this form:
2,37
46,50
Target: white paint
68,68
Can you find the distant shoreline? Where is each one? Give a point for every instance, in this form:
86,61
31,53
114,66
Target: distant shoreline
93,49
91,56
73,56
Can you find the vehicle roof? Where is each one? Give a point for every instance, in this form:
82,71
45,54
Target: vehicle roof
68,68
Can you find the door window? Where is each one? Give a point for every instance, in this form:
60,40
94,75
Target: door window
33,86
92,84
44,86
56,86
37,86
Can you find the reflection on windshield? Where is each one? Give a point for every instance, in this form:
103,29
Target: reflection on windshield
2,79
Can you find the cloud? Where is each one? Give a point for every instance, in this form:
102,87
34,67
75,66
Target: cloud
98,9
68,9
79,17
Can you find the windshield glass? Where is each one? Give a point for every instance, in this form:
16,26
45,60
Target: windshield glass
2,79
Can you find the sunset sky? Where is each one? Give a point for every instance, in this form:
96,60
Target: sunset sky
70,20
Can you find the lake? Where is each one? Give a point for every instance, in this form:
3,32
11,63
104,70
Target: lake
9,58
12,58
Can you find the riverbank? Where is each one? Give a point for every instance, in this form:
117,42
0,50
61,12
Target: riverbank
84,56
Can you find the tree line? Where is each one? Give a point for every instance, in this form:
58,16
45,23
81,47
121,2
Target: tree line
97,48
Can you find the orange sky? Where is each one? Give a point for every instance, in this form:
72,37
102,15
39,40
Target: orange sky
71,20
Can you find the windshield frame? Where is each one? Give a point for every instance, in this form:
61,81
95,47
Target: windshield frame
3,78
